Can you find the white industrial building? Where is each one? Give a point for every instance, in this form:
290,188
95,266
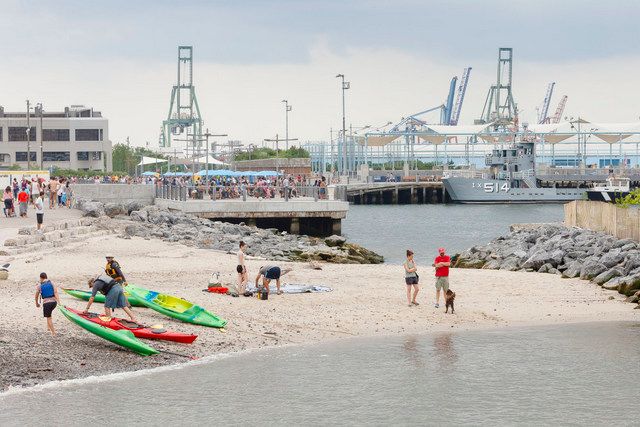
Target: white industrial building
77,138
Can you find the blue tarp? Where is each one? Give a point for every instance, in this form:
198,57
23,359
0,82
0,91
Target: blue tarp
148,173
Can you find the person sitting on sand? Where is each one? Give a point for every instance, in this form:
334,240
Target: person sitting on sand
49,295
269,273
114,295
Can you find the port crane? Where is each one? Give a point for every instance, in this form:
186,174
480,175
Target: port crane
558,114
542,113
462,89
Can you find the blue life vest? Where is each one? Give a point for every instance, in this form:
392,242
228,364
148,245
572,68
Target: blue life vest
46,289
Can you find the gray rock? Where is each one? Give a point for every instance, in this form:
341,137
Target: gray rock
612,284
139,216
629,284
591,269
493,264
545,268
607,275
93,209
335,240
611,258
136,230
573,270
114,209
538,259
133,206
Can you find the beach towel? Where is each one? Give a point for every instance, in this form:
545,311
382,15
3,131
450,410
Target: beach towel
294,288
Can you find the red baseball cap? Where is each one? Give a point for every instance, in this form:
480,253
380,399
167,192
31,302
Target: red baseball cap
440,250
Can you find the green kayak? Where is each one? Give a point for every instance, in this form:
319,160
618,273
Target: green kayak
85,295
176,307
122,337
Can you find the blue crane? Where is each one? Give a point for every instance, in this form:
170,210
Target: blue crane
462,89
449,106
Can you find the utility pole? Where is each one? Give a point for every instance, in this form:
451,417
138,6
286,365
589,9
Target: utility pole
287,108
345,86
41,111
28,136
207,135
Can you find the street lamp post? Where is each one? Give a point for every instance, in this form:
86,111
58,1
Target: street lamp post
41,112
287,108
28,136
345,86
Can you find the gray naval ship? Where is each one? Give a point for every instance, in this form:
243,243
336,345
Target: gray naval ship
512,179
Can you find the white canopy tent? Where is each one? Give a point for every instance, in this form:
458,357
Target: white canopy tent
211,160
150,161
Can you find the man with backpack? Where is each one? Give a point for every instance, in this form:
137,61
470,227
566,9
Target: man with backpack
48,293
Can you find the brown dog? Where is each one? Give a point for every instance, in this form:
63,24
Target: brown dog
449,297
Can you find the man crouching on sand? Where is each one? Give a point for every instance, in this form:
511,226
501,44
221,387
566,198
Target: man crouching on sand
114,295
269,273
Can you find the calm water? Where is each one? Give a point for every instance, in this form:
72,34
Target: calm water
392,229
562,375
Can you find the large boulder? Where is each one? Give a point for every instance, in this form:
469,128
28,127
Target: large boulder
538,259
136,230
133,206
611,258
139,216
335,240
607,275
93,209
114,209
591,269
573,270
629,285
613,284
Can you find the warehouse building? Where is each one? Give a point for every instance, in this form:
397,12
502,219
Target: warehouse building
77,138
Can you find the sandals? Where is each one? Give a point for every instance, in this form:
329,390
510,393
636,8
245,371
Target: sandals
279,292
415,303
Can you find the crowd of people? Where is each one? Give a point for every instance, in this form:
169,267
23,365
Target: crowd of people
36,191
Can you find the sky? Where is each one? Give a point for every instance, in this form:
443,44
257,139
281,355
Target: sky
120,57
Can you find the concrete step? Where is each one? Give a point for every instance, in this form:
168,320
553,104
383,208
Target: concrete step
55,243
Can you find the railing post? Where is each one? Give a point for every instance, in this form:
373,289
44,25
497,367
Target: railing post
244,193
286,194
316,190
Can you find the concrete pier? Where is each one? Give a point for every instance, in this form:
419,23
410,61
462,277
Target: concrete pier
394,193
299,216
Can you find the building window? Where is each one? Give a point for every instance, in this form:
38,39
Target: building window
20,133
88,134
55,134
56,156
21,156
84,155
5,158
1,129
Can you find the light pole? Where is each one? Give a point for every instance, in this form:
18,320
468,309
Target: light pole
345,86
41,111
28,136
287,108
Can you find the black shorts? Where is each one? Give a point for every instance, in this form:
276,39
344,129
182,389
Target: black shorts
48,307
8,203
411,281
40,217
272,273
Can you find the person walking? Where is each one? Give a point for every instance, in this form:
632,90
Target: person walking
48,293
39,204
411,278
441,263
7,198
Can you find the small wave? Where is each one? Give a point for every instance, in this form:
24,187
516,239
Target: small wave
118,376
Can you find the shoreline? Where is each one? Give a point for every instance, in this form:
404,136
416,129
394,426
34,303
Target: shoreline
122,375
368,300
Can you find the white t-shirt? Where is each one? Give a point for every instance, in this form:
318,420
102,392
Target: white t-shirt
39,205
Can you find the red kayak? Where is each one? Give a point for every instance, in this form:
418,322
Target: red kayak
140,331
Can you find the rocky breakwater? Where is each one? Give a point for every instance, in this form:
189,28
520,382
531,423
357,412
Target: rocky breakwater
570,252
151,222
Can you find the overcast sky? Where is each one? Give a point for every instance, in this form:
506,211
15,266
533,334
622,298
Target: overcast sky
120,58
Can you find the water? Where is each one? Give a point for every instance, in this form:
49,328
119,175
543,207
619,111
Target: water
583,374
392,229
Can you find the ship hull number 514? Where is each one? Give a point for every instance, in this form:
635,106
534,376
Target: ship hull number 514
493,187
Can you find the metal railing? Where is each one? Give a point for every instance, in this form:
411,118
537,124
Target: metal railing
464,173
240,192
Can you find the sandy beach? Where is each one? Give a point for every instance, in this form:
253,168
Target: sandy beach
366,300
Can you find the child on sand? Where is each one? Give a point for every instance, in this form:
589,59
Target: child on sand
49,295
241,268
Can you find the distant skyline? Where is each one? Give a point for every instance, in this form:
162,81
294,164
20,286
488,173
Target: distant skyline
121,58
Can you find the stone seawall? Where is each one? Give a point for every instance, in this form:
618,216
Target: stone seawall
115,193
567,251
